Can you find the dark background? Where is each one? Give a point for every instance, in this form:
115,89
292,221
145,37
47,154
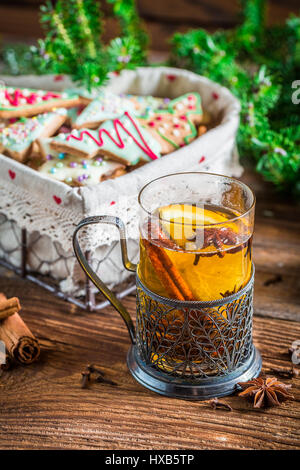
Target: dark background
19,20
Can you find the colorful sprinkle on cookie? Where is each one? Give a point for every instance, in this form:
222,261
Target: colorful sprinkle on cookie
16,139
106,106
175,126
75,171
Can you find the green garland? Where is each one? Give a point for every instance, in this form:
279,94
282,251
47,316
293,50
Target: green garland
258,65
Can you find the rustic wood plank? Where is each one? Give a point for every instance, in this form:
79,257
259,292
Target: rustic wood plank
278,300
42,406
20,22
210,12
190,11
276,251
162,19
207,12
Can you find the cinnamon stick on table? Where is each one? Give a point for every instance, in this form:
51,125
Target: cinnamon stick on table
19,341
8,306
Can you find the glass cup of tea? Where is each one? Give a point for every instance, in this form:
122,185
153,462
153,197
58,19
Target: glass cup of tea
194,285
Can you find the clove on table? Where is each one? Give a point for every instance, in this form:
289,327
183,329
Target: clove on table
284,372
100,378
85,379
216,403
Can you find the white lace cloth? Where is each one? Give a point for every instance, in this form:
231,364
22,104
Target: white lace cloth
50,210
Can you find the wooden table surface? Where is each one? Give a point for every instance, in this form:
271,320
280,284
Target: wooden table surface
43,406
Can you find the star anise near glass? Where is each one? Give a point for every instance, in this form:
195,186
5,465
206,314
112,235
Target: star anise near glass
265,392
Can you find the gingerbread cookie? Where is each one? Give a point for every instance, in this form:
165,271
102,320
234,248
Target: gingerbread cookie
106,106
175,126
122,140
76,171
18,138
81,145
24,102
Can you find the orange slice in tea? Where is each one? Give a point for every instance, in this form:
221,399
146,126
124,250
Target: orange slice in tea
180,221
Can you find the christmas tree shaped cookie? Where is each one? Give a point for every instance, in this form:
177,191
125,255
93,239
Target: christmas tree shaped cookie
17,139
24,102
175,126
122,139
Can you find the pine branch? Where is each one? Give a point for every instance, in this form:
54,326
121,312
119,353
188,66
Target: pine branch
270,137
126,12
73,45
249,35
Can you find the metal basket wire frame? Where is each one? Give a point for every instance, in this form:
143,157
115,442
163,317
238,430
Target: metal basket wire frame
88,301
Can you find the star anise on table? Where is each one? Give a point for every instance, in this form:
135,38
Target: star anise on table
265,392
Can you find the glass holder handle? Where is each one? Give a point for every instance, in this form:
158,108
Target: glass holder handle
108,294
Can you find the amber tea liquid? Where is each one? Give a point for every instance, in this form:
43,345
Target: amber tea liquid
194,253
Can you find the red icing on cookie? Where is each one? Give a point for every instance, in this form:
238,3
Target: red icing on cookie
112,203
49,95
32,98
119,143
12,174
201,159
15,98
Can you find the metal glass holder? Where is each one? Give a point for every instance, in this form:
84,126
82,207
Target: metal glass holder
194,350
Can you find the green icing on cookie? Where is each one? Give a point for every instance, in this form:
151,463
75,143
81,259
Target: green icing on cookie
186,107
106,106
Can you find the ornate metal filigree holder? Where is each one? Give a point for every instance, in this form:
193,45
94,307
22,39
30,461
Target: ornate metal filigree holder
194,350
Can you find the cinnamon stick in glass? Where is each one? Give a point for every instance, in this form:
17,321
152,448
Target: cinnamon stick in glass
19,341
163,266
